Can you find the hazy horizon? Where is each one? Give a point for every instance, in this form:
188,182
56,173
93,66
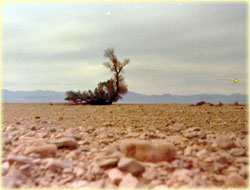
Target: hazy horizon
128,92
174,48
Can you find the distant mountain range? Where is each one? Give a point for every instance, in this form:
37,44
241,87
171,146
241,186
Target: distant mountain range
130,97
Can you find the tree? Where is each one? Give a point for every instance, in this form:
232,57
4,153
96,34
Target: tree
72,96
116,67
106,92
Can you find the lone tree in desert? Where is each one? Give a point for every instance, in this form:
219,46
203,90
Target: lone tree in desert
106,92
116,67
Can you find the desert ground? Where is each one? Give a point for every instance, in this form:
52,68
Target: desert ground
124,145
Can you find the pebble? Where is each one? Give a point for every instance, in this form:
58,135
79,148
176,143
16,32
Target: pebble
131,165
55,164
235,180
97,170
188,151
52,130
7,140
129,181
115,175
149,151
175,128
20,158
202,154
149,174
5,168
225,142
244,171
237,152
108,163
33,128
65,142
96,184
43,150
223,158
180,176
78,184
78,171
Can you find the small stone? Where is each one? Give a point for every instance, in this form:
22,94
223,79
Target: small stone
78,184
24,168
7,140
154,151
108,163
96,184
5,168
235,180
43,150
129,181
79,171
37,161
115,175
244,171
180,176
131,165
67,170
190,135
243,160
149,174
65,142
56,164
175,128
225,142
33,128
188,151
52,130
223,158
97,170
237,152
37,117
20,158
202,154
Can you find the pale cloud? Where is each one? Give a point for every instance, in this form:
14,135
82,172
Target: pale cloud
177,48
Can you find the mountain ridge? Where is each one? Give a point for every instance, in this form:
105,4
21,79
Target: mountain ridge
40,96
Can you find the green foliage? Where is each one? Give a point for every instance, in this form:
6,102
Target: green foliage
72,96
106,92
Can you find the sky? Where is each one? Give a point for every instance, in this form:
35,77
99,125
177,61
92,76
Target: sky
174,48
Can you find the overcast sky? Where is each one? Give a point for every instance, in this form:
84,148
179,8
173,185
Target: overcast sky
176,48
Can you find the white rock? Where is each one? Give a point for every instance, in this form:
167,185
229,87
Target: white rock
235,180
244,171
188,151
57,164
5,168
20,158
65,142
129,181
149,174
78,184
79,171
237,152
202,154
96,184
131,165
115,175
108,163
225,142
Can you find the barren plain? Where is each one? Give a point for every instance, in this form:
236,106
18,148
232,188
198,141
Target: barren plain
63,145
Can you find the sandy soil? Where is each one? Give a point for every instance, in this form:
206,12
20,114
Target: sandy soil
79,146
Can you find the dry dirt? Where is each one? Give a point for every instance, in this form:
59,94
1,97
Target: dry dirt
61,145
